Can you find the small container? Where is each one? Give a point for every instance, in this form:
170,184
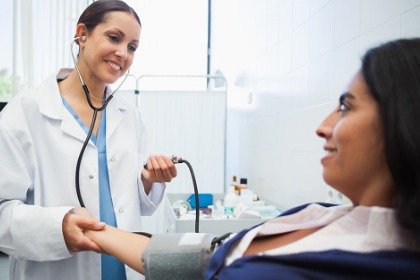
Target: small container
235,185
243,183
205,199
234,182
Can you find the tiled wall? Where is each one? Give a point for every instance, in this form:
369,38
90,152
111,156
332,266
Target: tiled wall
296,57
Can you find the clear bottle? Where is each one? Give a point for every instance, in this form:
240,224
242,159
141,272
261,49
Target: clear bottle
231,199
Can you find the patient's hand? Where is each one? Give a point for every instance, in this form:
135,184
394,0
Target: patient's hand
74,225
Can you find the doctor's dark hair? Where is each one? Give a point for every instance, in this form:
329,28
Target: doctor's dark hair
392,74
94,14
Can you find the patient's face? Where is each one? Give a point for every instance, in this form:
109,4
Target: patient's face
354,160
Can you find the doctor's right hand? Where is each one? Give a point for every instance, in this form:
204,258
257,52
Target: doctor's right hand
74,223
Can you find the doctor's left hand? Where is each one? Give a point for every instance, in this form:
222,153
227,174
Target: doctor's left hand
74,223
160,169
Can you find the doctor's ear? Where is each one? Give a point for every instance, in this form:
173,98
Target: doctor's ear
81,40
81,32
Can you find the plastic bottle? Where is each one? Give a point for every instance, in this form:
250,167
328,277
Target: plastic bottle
231,199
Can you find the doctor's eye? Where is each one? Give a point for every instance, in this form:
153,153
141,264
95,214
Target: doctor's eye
114,38
132,48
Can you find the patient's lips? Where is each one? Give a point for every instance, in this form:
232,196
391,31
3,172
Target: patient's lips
329,153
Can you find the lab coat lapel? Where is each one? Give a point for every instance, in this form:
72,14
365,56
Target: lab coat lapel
51,106
115,114
70,126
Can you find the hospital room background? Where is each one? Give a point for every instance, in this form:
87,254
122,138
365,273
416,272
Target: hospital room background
240,85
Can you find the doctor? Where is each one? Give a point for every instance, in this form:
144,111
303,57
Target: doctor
43,132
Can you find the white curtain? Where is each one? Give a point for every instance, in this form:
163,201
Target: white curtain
43,31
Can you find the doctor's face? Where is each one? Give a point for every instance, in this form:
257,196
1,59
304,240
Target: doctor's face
354,161
109,49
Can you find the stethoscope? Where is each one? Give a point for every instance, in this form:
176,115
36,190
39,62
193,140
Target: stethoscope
95,112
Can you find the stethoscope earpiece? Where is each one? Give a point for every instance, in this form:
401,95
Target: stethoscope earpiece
84,86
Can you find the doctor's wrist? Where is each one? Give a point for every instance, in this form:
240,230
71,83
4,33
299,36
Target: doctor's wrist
147,185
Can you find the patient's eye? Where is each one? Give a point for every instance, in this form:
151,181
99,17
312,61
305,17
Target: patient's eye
343,108
343,105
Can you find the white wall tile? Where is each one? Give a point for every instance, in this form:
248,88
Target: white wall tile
320,32
316,5
307,170
301,12
410,26
346,21
345,63
410,4
319,83
386,32
300,46
284,55
302,131
378,12
283,18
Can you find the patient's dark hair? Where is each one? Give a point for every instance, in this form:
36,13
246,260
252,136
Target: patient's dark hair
392,74
94,14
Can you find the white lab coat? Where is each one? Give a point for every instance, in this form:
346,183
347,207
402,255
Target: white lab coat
39,151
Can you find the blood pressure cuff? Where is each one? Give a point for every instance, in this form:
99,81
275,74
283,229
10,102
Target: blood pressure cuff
178,256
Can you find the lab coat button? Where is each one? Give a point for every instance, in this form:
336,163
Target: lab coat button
90,176
112,158
120,210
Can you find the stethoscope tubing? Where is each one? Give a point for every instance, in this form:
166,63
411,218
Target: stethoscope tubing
92,124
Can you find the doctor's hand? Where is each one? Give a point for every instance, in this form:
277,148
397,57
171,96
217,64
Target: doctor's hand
74,223
160,169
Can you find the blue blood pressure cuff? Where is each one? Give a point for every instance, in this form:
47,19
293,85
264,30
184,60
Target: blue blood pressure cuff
178,255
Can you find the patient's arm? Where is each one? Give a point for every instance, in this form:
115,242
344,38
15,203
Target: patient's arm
177,250
126,246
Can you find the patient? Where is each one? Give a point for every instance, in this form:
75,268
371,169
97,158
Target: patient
372,155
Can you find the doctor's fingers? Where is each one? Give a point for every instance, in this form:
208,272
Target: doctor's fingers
81,211
82,243
163,169
89,223
73,226
169,165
